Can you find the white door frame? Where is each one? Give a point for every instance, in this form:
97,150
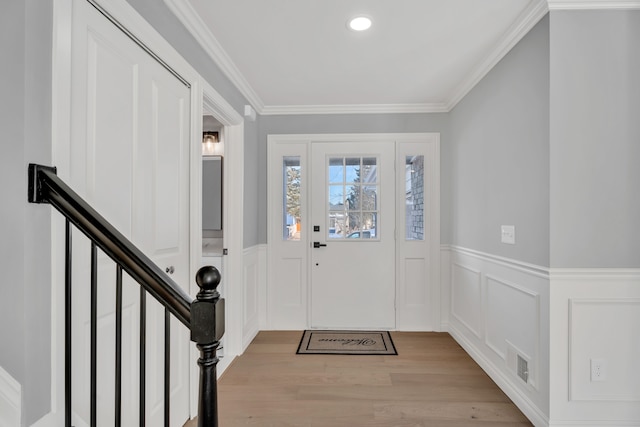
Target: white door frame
431,142
129,18
232,213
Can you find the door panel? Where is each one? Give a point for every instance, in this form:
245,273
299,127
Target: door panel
418,238
288,293
353,204
129,158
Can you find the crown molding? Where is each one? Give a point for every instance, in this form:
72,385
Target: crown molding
593,4
271,110
536,10
185,13
526,21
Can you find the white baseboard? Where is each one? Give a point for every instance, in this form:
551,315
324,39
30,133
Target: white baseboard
10,400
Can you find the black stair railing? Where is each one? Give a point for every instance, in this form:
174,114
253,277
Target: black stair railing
204,316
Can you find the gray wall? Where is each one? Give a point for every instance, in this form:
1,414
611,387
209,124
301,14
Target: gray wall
500,155
252,161
595,139
25,121
353,123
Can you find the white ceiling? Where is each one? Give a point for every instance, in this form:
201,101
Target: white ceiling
297,56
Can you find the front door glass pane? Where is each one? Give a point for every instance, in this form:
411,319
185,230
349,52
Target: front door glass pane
414,200
352,190
291,228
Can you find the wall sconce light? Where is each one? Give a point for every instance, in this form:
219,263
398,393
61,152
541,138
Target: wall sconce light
210,137
211,144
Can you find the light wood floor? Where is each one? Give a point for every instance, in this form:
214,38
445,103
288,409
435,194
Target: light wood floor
432,382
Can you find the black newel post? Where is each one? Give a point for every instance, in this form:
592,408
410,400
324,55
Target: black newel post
207,327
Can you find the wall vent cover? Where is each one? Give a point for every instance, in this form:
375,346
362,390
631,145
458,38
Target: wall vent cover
523,369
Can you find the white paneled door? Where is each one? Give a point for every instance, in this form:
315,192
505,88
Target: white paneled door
130,159
353,226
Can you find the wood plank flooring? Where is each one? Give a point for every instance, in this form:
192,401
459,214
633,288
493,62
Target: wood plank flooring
431,382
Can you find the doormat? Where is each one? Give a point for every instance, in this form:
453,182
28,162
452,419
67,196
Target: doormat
347,342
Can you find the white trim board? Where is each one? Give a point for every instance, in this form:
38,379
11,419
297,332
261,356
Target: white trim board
198,29
593,4
536,10
10,400
194,24
526,21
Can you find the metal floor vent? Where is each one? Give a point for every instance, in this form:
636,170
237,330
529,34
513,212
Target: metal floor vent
523,368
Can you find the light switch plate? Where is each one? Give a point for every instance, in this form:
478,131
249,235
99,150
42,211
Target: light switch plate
509,234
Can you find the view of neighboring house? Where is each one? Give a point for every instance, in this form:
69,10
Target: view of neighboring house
547,141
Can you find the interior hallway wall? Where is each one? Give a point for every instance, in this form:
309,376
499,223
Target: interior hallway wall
25,254
595,139
500,155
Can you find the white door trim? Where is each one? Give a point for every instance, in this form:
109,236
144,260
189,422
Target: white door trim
209,101
433,222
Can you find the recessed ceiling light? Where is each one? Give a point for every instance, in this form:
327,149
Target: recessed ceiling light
359,23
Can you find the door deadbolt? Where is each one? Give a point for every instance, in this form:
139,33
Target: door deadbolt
317,245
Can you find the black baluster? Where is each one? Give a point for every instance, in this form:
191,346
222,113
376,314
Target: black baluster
67,325
207,327
143,353
167,365
118,396
94,332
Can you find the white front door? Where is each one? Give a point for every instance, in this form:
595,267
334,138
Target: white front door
130,159
374,199
352,234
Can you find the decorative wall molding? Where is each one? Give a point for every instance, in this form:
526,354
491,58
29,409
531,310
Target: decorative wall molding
526,21
354,109
457,271
593,4
623,316
506,317
589,275
534,298
531,269
536,10
194,24
595,313
10,400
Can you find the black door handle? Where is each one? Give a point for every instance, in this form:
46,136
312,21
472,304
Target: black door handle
317,245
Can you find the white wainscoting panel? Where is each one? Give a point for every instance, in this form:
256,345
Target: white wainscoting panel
507,300
595,315
607,330
10,400
466,297
499,310
251,281
445,286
